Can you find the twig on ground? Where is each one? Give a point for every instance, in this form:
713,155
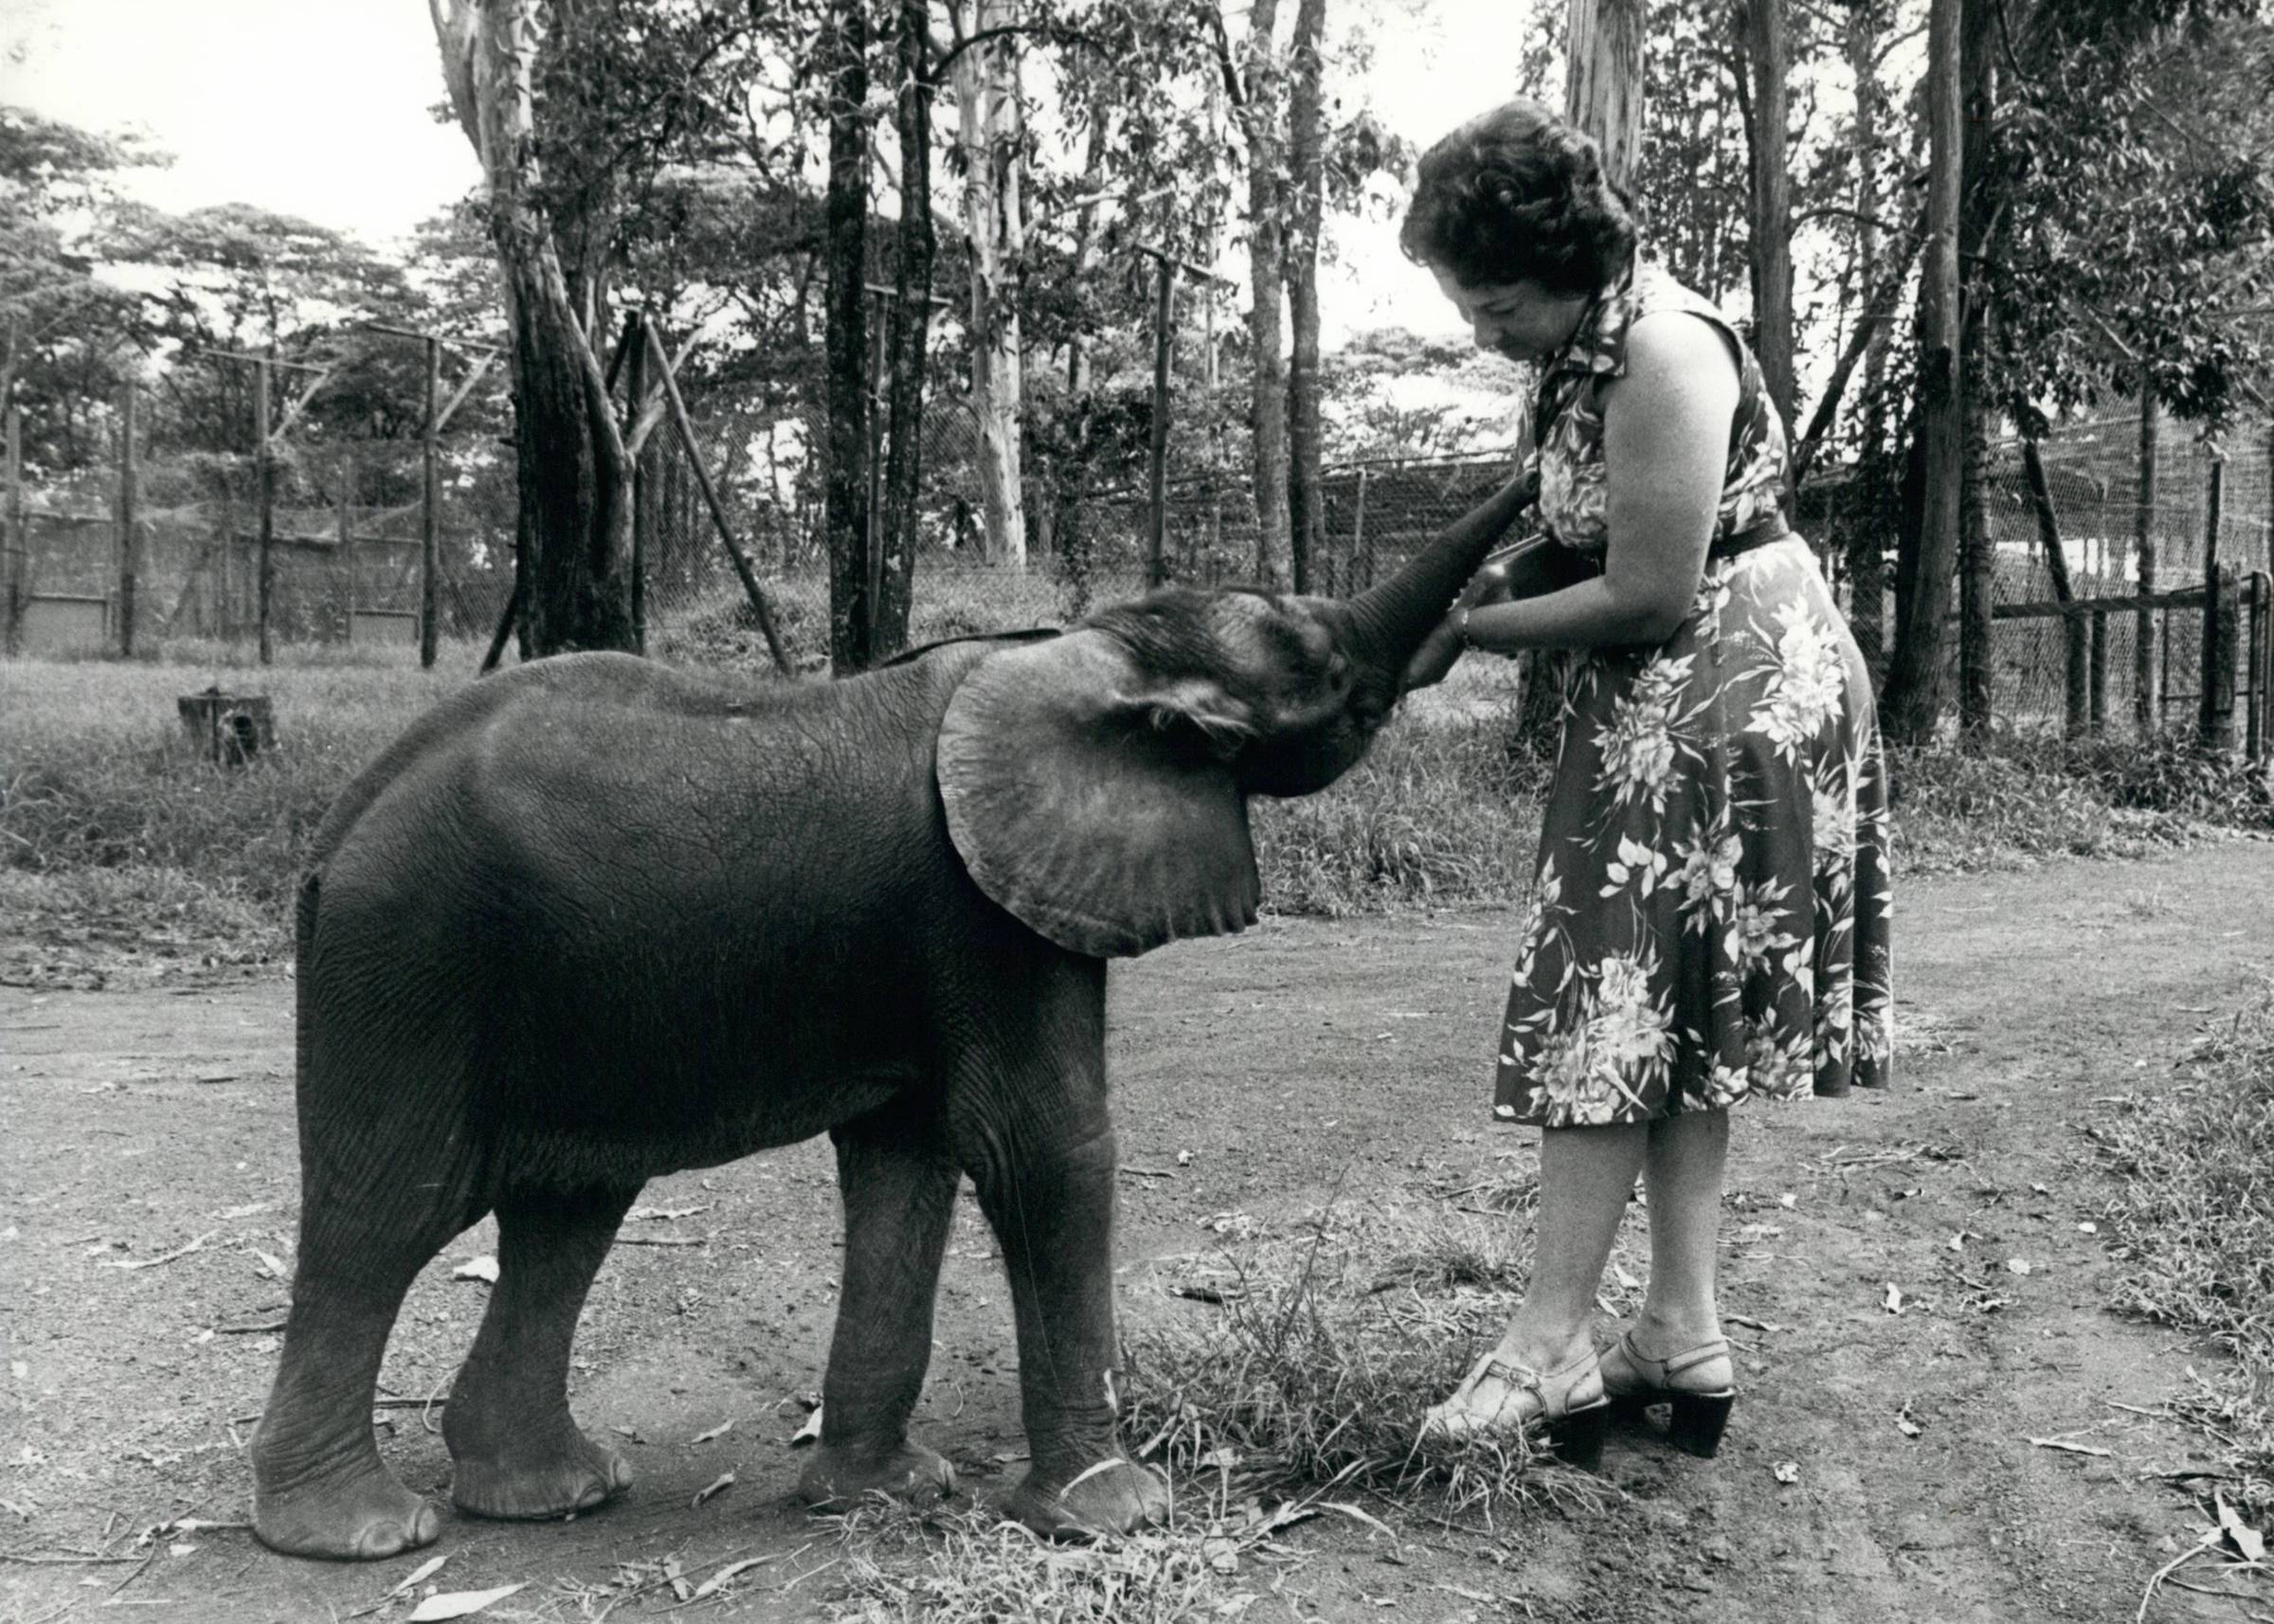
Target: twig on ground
179,1251
2155,1580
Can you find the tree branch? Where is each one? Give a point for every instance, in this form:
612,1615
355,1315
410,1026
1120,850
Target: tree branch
1051,31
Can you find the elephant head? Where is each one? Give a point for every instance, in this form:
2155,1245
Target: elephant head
1096,782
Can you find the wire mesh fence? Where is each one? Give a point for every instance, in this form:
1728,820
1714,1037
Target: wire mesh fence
346,547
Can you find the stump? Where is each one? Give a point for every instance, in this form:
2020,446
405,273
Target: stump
227,728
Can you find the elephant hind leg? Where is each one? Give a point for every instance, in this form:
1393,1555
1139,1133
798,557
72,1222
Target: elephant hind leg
517,1451
320,1488
898,1180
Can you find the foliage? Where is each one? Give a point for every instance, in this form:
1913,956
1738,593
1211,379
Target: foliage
2193,1221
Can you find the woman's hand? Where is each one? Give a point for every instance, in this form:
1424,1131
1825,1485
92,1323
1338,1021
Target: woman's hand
1442,648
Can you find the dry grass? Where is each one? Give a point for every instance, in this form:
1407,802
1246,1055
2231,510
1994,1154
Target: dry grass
2193,1219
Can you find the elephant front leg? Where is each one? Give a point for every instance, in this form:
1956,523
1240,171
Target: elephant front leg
1052,1212
898,1183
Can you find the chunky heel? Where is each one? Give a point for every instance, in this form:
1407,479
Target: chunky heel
1695,1427
1576,1438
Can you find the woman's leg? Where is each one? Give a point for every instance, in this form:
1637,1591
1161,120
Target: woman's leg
1682,1174
1586,1179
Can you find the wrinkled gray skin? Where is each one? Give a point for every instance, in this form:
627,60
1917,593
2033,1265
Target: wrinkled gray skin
597,920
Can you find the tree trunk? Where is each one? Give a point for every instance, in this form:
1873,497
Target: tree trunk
845,339
1913,702
989,132
575,478
908,348
1266,400
1978,247
1768,60
1603,88
1307,168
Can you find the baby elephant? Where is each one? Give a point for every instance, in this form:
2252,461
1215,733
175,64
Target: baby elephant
597,920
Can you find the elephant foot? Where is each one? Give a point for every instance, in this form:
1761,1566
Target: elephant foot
556,1475
839,1475
1116,1497
359,1518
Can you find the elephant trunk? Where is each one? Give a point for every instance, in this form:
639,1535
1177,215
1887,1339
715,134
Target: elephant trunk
1392,618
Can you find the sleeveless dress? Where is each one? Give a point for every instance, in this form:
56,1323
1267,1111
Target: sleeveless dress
1710,921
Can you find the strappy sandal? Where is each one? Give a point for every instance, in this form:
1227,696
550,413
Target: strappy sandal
1633,1381
1568,1405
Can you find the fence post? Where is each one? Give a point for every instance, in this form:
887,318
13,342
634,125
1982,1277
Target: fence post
1358,548
430,493
2215,726
347,539
19,544
2097,674
2258,697
2147,709
264,477
127,559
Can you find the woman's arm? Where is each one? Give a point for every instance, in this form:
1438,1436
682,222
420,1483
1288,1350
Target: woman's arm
1666,449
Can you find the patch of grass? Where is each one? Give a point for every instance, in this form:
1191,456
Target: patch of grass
2193,1219
110,819
1973,808
1317,1369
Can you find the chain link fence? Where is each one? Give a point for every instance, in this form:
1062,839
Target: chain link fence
346,547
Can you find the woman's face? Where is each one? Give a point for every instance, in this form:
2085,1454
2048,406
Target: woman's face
1522,320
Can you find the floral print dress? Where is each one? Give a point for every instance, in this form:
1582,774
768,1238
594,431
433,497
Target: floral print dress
1710,921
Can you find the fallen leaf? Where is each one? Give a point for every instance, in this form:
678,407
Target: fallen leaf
1907,1427
710,1585
271,1265
458,1603
1750,1320
1221,1553
1466,1593
1788,1199
482,1267
1786,1472
809,1432
2040,1189
419,1575
718,1485
658,1215
2017,1266
1627,1281
1893,1302
181,1550
718,1431
245,1211
2246,1540
1184,1158
1957,1241
2088,1227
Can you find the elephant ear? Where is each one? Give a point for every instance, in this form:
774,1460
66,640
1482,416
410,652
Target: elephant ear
1094,806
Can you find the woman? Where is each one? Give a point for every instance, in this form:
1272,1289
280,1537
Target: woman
1710,921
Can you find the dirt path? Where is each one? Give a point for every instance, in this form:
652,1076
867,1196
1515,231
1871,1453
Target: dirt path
1304,1058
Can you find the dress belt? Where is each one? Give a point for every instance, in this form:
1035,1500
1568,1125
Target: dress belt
1761,532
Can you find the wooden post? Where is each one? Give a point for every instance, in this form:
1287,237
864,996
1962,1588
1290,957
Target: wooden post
127,552
18,543
430,495
1156,541
264,477
2147,709
718,513
346,540
2256,696
2214,722
2097,675
1359,550
634,353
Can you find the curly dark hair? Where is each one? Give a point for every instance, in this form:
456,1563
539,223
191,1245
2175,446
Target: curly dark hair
1517,194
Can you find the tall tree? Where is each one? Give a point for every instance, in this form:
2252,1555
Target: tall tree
991,142
1257,109
1306,178
1912,703
1767,72
906,350
575,523
1604,84
843,62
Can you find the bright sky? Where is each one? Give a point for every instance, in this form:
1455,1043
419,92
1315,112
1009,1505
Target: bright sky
319,108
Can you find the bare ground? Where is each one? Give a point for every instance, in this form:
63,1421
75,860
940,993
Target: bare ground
1305,1061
